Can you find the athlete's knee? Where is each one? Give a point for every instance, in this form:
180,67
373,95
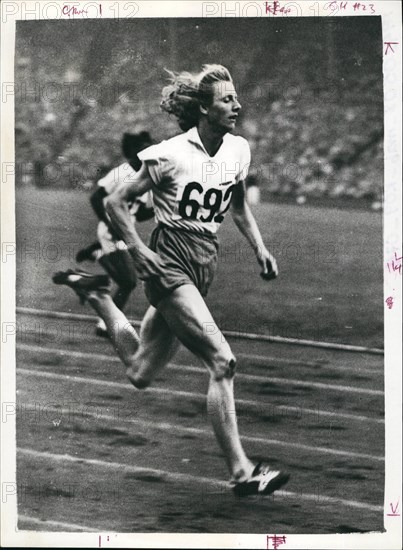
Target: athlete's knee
138,371
138,381
224,368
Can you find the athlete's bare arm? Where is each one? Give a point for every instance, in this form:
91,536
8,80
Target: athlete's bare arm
116,205
247,225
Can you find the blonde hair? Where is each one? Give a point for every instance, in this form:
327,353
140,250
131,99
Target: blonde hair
187,91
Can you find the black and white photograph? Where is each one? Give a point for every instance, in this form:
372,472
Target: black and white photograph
205,269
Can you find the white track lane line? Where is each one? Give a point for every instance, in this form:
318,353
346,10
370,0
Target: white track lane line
323,450
265,359
229,333
173,428
199,370
58,524
246,403
302,364
188,478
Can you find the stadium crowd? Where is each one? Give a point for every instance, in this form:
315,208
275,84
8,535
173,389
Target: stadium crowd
314,121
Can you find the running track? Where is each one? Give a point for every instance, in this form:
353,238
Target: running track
94,454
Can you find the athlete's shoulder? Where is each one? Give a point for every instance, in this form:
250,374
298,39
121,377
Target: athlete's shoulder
152,152
167,153
179,138
115,176
164,158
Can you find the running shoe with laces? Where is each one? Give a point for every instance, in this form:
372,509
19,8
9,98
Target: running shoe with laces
263,481
82,282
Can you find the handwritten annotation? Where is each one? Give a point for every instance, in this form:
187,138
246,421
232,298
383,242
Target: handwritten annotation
274,8
274,541
72,11
356,7
389,47
395,510
100,541
395,265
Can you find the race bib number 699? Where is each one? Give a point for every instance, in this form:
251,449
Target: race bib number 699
206,205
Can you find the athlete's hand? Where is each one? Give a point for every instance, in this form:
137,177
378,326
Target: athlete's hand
148,263
268,264
113,233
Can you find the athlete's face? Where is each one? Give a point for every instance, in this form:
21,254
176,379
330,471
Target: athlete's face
224,109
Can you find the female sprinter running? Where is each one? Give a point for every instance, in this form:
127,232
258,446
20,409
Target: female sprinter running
194,178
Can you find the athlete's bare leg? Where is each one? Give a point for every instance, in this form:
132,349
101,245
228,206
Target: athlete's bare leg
143,357
120,266
188,317
123,335
157,347
184,314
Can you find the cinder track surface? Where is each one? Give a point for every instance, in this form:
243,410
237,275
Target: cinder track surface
96,454
93,449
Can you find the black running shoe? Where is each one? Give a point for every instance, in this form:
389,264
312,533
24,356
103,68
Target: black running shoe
262,482
82,282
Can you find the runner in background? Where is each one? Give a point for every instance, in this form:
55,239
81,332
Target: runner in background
110,251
